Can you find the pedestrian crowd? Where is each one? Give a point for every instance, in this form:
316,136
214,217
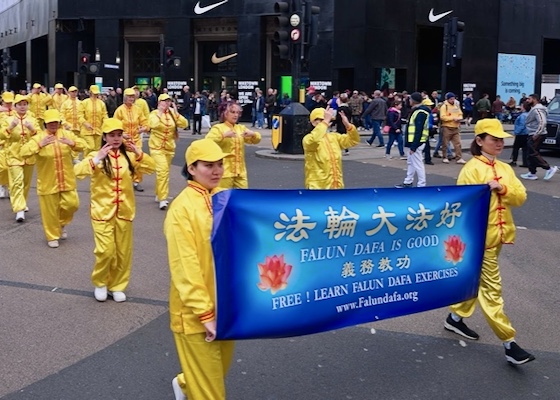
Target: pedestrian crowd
67,138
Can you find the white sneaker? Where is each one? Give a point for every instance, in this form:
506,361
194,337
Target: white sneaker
163,204
26,209
388,156
461,161
53,244
403,158
529,176
445,161
550,173
157,200
119,297
100,293
179,395
4,192
20,216
63,234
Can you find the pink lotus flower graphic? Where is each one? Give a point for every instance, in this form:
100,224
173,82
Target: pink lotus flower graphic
274,273
454,249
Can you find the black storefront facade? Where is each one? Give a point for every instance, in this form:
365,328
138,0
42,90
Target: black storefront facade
223,43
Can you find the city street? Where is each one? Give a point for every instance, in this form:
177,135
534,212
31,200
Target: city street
58,343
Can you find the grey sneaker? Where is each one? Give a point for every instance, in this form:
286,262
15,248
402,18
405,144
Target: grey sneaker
550,173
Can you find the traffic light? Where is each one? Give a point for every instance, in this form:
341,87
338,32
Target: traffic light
311,23
171,60
283,47
83,63
456,32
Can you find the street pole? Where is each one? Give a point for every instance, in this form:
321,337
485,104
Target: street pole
444,58
6,61
162,59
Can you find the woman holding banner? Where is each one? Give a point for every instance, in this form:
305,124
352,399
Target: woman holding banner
506,192
192,298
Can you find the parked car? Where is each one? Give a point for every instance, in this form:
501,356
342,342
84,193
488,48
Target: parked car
552,140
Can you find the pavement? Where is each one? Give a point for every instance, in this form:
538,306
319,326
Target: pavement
58,343
364,151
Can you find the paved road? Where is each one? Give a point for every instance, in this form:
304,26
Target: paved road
57,342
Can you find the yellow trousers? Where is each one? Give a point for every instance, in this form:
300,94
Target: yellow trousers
57,210
113,254
93,143
489,297
4,176
237,182
137,178
204,365
76,154
19,182
162,159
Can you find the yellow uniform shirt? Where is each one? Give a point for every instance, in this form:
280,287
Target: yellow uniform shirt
233,166
187,228
38,103
113,196
163,128
143,106
55,170
132,119
93,112
58,100
71,113
448,112
17,137
323,156
481,170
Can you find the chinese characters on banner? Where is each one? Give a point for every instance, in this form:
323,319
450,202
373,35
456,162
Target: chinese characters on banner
296,262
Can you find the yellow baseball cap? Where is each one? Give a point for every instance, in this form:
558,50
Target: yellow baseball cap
36,86
317,113
51,115
427,102
129,92
72,89
59,86
204,150
163,97
112,124
8,97
19,98
94,89
491,126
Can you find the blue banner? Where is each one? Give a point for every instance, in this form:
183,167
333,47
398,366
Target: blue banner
296,262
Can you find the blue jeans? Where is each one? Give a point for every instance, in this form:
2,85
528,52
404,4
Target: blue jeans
376,131
368,124
499,116
392,137
260,119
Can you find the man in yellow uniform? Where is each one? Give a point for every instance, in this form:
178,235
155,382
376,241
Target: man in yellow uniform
71,113
58,97
17,130
323,150
141,103
56,182
38,102
134,124
92,112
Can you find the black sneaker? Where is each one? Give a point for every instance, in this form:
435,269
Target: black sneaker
404,186
460,328
516,355
513,163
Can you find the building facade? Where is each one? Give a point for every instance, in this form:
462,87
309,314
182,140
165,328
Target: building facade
227,44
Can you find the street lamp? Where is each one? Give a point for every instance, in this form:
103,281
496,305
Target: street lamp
97,55
118,58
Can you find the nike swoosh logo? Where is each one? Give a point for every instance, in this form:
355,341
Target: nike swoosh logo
437,17
218,60
201,10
